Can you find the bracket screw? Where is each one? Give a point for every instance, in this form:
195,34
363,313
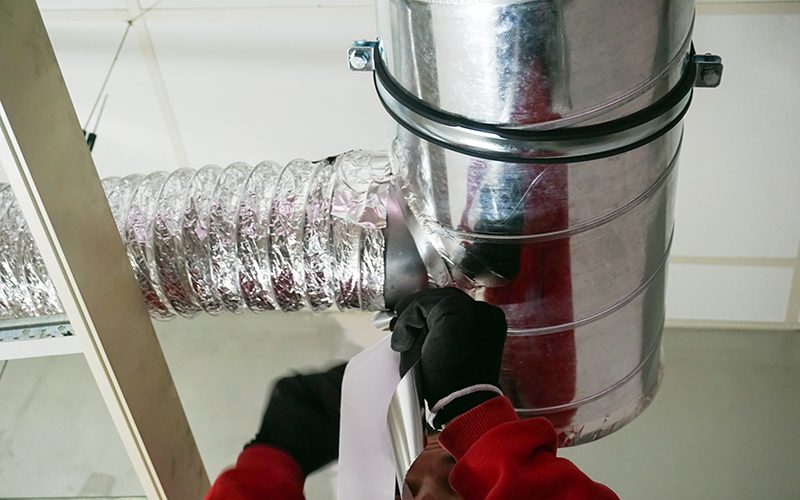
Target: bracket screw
358,59
361,55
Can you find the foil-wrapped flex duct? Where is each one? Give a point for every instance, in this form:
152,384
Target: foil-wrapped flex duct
536,152
264,237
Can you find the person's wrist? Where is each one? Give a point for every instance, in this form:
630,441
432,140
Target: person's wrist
459,402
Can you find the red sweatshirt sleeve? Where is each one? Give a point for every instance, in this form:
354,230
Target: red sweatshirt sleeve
500,457
260,472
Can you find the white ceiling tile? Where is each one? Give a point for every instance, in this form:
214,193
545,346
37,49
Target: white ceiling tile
740,170
80,4
728,293
131,135
270,84
238,4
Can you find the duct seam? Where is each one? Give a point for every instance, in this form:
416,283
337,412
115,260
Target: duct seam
625,97
652,350
511,239
606,312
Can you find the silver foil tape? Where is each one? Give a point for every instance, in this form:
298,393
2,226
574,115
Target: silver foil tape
263,238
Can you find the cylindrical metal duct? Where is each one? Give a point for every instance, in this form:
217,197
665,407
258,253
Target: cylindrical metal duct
537,151
534,166
269,237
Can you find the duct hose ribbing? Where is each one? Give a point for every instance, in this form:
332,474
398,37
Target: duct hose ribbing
264,237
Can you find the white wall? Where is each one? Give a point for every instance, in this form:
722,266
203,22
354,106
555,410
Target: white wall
213,82
737,245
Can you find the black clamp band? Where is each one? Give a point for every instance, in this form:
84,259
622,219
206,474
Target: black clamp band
565,145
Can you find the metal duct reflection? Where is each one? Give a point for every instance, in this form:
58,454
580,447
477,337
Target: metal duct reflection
535,162
537,150
269,237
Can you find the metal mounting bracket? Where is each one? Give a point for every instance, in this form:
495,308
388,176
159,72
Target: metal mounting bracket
709,70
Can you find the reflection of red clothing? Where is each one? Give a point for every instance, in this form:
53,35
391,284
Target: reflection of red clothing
498,457
541,370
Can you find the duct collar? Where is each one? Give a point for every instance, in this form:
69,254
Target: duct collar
565,145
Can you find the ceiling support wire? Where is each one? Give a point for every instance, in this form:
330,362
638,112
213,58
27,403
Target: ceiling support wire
120,46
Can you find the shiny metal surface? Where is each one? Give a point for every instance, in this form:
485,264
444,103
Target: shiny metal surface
406,426
309,234
491,142
15,296
709,70
495,147
539,63
286,229
361,56
404,265
574,252
34,328
405,416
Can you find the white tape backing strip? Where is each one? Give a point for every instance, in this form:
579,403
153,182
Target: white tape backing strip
366,460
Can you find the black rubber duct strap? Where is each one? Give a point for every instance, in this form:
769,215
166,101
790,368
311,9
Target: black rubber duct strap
420,107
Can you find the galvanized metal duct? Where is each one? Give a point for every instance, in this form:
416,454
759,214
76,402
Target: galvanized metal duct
269,237
534,166
536,152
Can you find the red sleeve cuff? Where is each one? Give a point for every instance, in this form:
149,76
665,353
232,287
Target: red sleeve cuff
459,435
258,456
260,472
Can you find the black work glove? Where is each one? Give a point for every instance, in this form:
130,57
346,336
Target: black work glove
459,342
302,418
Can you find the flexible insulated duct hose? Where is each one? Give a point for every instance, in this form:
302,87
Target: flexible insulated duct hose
269,237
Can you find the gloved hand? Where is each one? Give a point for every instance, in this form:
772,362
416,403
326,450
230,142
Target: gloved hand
302,418
459,342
